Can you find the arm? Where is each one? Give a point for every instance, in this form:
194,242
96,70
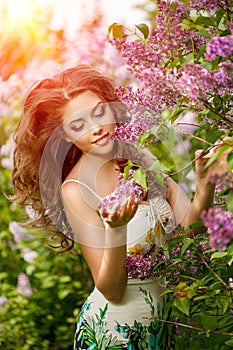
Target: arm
103,245
204,194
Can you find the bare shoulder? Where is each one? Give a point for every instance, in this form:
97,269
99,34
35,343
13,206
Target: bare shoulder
80,201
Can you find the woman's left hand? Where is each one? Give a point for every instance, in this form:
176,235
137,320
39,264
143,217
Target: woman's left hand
218,167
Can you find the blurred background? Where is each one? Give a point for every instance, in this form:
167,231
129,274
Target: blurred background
41,292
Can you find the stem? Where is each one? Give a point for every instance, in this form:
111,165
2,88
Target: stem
214,273
208,105
200,127
193,161
193,327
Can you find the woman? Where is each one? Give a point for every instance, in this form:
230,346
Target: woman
65,163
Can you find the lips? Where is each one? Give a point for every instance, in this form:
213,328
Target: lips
101,140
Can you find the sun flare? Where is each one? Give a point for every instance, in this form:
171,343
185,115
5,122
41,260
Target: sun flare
21,12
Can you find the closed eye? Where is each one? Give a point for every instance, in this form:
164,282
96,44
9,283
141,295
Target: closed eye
77,125
100,110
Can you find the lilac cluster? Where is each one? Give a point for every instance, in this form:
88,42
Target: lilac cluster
208,4
124,190
222,182
19,232
224,77
130,132
143,266
148,61
163,86
219,225
219,46
23,285
3,300
189,83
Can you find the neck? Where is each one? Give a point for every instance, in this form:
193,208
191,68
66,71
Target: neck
90,165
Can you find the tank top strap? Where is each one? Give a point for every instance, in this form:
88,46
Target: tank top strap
84,185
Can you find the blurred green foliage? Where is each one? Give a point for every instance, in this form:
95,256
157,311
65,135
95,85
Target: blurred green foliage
60,284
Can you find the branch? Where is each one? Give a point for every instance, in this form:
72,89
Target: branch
193,327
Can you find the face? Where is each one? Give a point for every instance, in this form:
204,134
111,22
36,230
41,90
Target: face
87,122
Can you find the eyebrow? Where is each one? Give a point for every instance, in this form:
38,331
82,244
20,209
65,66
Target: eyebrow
92,111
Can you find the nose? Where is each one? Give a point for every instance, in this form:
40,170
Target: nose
96,128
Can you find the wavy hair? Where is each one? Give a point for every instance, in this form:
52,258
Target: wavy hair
42,157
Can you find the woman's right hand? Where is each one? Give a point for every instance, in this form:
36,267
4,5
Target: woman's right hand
121,213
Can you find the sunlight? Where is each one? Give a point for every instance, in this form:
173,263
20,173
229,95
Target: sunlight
20,12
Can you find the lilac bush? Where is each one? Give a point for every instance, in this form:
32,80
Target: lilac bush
183,65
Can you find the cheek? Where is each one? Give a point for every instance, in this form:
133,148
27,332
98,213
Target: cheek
81,141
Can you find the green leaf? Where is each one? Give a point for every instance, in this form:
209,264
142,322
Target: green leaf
185,246
229,201
144,29
230,161
201,52
159,178
127,169
140,177
175,114
183,305
116,29
145,138
209,322
223,303
204,33
157,166
205,20
216,155
219,16
218,255
185,2
229,342
63,293
208,295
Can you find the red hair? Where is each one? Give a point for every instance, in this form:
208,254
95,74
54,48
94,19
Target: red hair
39,162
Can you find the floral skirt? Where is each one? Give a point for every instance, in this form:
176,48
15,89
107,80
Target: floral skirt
129,324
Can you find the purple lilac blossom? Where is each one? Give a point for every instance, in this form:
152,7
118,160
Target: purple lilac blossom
130,132
3,300
123,191
219,46
19,232
224,77
142,266
29,255
23,285
219,225
208,4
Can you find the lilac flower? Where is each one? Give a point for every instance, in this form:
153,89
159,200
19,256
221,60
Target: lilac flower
193,269
177,249
189,83
231,282
130,132
219,46
3,300
204,246
224,77
207,4
125,189
19,232
143,266
219,225
23,285
29,255
222,182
